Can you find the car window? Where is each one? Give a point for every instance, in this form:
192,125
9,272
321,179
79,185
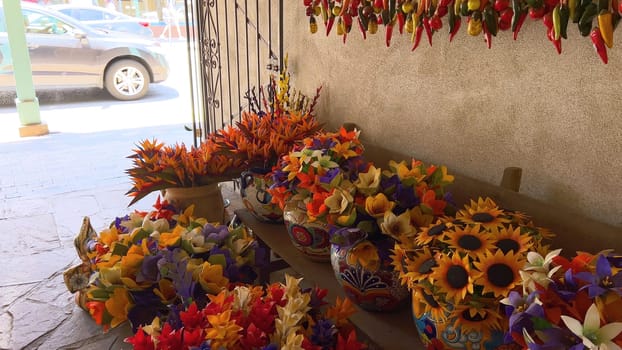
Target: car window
91,15
39,23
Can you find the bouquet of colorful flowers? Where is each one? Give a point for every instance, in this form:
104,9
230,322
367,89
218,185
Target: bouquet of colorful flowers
278,316
145,262
311,171
568,304
459,268
396,202
157,166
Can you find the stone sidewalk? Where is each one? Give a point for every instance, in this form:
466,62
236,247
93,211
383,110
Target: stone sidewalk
47,185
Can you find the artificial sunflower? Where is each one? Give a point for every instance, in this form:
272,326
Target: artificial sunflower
476,317
431,233
419,266
454,277
484,212
424,301
498,272
470,240
511,239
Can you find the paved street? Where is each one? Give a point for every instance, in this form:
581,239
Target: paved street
47,185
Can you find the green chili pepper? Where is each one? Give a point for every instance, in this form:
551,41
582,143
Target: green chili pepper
557,25
491,19
464,8
590,11
564,16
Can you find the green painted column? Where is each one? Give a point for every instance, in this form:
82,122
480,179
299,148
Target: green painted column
26,101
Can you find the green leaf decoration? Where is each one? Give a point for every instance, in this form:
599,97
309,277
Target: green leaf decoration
120,249
218,259
139,236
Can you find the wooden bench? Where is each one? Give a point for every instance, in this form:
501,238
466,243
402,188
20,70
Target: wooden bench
395,330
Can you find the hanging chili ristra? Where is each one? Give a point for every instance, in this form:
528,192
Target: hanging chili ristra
487,36
389,32
454,23
557,25
599,44
362,21
372,24
585,22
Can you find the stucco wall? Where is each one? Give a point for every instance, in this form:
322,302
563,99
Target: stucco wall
558,117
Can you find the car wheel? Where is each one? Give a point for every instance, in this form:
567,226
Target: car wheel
127,80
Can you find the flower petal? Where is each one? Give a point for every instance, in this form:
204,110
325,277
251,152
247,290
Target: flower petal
574,325
592,318
609,331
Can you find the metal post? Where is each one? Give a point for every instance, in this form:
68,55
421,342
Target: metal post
26,101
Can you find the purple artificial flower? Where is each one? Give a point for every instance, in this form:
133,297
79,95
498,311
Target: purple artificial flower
566,289
270,347
149,271
204,346
388,185
556,339
147,306
216,234
246,274
330,175
323,334
173,266
118,226
603,280
405,197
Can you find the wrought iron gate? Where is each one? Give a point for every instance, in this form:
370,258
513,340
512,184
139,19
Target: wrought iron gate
235,45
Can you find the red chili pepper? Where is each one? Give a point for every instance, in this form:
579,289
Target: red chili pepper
345,35
329,25
599,44
550,33
418,32
487,35
519,23
548,21
401,21
505,19
456,27
435,23
428,30
389,33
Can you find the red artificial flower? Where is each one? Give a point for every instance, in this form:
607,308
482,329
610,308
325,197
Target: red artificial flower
276,294
579,263
192,338
316,207
192,317
308,345
97,310
169,338
349,344
262,316
140,340
437,205
254,338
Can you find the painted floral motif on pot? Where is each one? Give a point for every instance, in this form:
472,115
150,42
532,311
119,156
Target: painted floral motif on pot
363,268
253,189
310,238
451,336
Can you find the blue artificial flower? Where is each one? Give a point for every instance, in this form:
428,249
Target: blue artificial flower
323,334
147,306
149,271
216,234
405,197
330,175
603,280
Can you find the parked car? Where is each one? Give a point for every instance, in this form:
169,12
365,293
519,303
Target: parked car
103,18
65,53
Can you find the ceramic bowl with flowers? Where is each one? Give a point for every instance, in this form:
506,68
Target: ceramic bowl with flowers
368,216
459,268
306,177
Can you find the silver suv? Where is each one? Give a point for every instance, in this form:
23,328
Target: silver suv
65,53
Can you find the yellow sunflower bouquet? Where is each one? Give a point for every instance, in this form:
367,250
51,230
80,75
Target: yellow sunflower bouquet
459,268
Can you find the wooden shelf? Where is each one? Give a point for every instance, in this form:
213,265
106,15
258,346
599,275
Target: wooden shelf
395,330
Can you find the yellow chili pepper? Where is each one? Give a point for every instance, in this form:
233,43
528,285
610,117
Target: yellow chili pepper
474,27
312,25
572,7
409,24
457,7
341,28
606,27
473,5
556,22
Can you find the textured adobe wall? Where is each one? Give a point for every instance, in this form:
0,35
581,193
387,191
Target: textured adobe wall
559,117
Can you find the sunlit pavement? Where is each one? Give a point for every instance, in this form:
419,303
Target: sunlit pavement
49,183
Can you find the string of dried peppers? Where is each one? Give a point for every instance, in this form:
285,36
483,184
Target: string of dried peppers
482,16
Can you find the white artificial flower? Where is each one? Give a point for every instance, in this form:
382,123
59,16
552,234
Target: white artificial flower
593,335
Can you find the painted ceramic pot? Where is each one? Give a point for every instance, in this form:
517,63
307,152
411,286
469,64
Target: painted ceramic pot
363,268
310,238
253,186
433,332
